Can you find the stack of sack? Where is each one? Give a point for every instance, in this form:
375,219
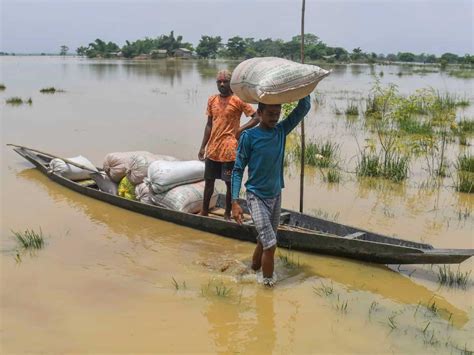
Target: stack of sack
158,179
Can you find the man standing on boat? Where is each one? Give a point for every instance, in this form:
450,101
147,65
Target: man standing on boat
221,133
262,149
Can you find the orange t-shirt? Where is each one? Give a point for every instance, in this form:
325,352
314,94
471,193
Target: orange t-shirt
225,113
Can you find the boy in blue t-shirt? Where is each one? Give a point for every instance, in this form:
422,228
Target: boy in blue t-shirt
262,149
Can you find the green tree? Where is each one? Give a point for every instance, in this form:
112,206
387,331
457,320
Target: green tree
356,53
406,57
63,50
81,51
208,46
99,48
341,53
236,47
450,58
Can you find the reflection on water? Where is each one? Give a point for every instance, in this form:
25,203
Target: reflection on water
235,330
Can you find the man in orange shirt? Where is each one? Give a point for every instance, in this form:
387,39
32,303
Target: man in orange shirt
219,144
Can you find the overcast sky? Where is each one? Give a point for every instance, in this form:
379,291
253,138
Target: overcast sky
381,26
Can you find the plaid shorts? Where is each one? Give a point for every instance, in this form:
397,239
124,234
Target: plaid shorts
266,217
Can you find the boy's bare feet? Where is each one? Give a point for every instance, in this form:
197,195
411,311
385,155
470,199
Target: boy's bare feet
227,216
268,282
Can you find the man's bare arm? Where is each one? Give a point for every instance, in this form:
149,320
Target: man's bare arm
205,138
255,120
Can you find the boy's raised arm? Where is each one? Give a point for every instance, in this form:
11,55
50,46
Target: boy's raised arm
297,115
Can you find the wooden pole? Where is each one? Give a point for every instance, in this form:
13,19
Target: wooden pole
303,146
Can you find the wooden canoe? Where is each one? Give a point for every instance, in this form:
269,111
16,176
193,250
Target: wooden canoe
297,231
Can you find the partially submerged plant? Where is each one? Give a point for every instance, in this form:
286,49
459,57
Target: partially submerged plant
50,90
392,323
341,305
324,290
2,87
14,100
177,285
30,239
451,278
289,261
222,290
373,307
352,109
332,176
465,173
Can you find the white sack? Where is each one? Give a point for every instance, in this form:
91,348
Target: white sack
143,193
164,175
184,198
70,171
272,80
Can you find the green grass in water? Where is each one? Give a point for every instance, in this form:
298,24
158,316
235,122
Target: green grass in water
464,182
14,100
451,278
50,90
30,239
352,110
465,163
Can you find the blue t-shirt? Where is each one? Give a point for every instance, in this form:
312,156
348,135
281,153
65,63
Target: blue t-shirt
263,151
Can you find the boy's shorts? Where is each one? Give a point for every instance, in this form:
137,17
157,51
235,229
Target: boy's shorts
218,170
266,218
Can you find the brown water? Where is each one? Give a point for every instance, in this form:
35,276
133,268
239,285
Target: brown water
104,281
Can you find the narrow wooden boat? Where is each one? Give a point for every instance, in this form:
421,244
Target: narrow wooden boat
297,231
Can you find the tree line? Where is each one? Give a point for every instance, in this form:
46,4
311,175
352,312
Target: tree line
244,48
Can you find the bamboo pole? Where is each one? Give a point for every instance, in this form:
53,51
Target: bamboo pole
303,146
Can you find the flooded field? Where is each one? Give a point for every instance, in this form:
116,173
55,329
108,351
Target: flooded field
109,280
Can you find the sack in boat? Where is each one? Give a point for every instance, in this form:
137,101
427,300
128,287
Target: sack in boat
143,193
116,164
138,166
70,171
126,189
184,198
272,80
165,175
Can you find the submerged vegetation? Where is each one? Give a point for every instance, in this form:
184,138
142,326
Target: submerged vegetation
50,90
17,101
465,173
451,278
29,239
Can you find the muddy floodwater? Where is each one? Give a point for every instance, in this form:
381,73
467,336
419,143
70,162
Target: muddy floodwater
112,281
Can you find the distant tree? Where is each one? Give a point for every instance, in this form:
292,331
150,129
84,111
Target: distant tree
406,57
170,43
269,48
99,48
450,58
236,47
356,53
430,58
391,57
208,46
467,59
81,51
63,50
341,53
